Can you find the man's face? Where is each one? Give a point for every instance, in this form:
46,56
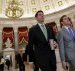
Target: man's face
40,17
66,21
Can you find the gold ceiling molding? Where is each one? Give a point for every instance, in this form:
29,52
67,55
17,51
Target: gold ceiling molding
13,10
0,6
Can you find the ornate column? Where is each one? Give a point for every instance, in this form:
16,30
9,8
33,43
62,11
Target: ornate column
16,44
16,37
1,38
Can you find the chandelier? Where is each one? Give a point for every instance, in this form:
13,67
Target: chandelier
13,10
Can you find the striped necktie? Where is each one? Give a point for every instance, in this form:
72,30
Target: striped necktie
71,33
44,31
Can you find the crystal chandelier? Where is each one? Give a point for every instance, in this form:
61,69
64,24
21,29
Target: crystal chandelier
13,10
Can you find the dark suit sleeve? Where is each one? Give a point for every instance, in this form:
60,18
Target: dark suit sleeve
24,57
29,49
16,58
30,41
26,53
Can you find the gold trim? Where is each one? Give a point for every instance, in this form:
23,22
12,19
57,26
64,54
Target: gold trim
13,10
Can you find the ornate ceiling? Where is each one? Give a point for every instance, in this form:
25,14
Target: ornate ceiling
31,6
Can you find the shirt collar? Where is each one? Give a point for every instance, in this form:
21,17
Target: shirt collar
66,27
40,24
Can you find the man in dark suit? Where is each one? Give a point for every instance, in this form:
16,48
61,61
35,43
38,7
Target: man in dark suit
39,37
20,60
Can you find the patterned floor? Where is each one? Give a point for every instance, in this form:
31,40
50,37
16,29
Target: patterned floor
59,67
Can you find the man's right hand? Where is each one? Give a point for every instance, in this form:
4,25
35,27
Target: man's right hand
26,63
31,64
65,65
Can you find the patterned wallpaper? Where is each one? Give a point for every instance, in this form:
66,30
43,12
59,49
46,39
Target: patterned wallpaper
31,6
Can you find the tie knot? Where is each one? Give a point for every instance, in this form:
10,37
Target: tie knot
69,29
43,25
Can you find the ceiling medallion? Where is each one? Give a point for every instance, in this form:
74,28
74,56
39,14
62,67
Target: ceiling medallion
13,10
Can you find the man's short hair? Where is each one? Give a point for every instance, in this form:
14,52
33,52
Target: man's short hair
38,12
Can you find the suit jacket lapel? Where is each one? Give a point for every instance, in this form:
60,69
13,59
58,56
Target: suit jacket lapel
66,32
47,32
73,32
40,32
